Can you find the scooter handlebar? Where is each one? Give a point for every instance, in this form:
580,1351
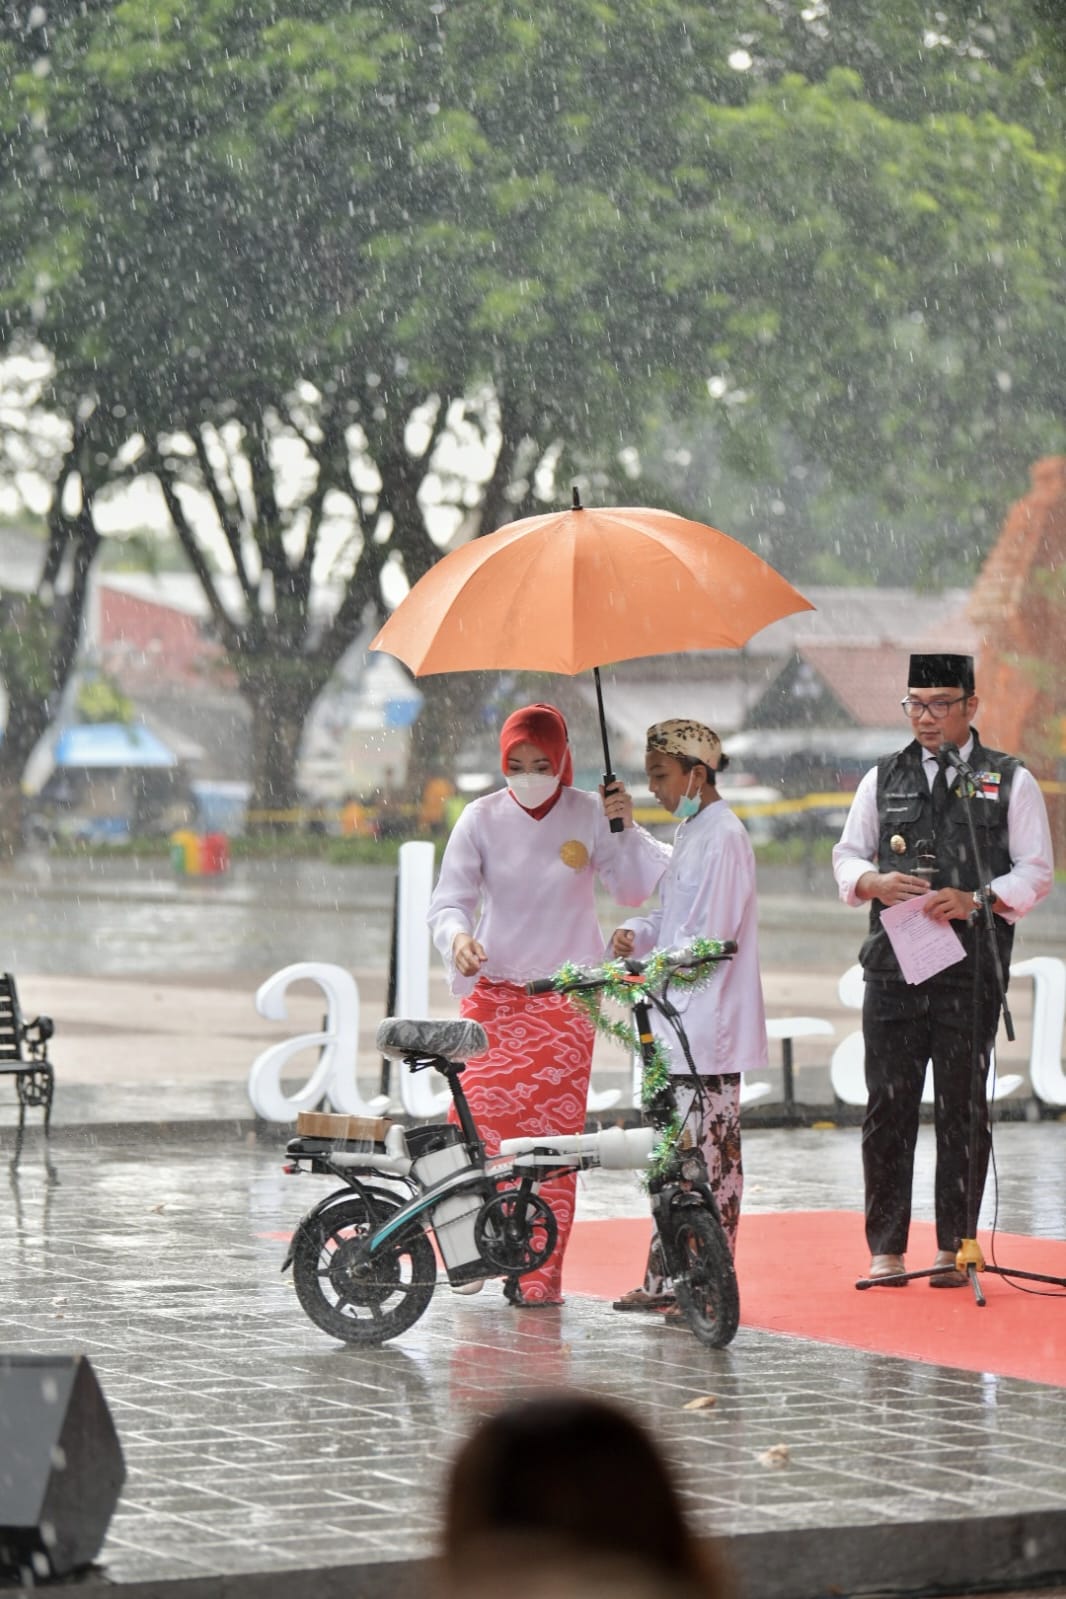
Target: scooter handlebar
596,976
542,985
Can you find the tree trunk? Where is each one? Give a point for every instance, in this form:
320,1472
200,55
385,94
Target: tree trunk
280,688
10,816
276,734
447,717
39,638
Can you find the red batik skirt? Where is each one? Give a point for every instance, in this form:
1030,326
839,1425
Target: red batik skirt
534,1078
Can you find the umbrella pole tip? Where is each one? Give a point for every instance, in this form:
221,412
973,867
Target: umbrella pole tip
577,505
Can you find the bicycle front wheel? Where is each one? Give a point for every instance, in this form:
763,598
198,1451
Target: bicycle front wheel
705,1281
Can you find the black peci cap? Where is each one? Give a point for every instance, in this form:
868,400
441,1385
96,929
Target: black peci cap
941,671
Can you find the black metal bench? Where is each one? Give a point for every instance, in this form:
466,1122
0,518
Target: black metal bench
24,1056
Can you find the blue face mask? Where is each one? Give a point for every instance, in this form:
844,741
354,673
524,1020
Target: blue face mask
688,805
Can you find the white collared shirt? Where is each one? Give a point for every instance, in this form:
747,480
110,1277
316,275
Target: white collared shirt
709,892
1028,840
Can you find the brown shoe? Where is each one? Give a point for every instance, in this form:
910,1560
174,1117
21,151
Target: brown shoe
887,1266
640,1299
946,1273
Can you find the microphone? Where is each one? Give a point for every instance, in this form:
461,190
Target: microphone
948,755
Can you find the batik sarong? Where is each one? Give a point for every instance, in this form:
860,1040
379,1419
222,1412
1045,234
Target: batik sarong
533,1079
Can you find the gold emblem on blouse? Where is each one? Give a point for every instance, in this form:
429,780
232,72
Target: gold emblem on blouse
898,844
574,854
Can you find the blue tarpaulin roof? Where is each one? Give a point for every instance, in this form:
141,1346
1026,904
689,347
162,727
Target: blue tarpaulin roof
111,744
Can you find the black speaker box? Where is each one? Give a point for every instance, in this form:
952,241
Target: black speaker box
61,1465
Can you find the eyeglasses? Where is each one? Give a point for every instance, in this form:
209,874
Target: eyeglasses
938,708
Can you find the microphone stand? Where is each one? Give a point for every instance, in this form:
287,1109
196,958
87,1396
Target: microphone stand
969,1258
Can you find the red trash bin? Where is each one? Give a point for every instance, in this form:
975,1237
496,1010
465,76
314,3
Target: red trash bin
214,854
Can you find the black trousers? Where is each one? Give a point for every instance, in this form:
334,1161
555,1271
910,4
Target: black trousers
904,1026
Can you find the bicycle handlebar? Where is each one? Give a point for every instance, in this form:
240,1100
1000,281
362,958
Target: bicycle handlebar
598,976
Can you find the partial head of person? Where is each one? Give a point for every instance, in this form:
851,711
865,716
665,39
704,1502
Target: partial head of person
940,702
682,762
535,754
564,1479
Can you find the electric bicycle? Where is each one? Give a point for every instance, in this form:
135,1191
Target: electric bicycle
364,1259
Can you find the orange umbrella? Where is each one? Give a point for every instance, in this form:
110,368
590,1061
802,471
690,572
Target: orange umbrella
576,589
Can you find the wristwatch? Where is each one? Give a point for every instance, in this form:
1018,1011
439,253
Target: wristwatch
993,899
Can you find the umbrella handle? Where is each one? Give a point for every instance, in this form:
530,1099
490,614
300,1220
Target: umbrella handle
616,823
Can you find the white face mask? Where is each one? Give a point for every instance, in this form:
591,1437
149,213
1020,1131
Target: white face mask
532,789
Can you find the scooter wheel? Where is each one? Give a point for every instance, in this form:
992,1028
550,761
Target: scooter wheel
705,1281
361,1302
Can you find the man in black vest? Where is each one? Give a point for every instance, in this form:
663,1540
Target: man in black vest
907,834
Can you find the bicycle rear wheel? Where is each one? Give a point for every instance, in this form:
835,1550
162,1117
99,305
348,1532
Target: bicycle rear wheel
361,1303
705,1281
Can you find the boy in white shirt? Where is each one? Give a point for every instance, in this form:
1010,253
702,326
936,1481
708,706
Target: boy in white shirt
708,892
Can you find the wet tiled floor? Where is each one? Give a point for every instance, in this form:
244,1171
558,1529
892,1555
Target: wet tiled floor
254,1442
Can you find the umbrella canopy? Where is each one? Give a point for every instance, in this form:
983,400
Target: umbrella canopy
577,589
573,590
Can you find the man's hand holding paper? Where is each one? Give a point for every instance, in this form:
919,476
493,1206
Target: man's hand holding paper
922,944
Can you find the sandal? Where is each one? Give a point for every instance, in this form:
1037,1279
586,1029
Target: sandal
640,1299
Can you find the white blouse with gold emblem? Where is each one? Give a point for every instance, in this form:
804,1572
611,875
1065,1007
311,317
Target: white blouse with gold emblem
526,888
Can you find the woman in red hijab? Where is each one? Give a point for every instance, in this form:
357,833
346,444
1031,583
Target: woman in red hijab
515,899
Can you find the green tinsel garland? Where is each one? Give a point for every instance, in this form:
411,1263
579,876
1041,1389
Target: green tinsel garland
616,982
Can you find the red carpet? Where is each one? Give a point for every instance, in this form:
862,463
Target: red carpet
797,1271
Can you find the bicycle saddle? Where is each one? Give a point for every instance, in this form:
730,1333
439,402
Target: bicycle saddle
398,1036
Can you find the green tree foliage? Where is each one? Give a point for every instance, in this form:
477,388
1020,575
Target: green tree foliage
304,258
100,699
